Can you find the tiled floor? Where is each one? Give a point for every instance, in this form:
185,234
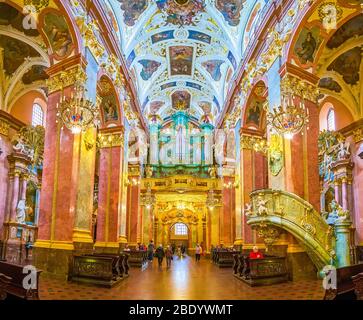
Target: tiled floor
185,280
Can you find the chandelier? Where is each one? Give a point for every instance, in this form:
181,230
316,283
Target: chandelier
290,117
77,113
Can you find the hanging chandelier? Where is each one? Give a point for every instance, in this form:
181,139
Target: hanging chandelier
290,117
77,113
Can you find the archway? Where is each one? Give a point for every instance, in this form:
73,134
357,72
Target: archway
179,235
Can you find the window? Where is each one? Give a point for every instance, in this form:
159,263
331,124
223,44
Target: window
38,115
331,120
181,229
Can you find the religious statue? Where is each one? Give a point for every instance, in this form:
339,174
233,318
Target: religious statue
21,212
149,172
212,172
261,206
248,210
343,150
337,213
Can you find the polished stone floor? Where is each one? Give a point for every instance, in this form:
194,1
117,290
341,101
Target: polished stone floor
184,280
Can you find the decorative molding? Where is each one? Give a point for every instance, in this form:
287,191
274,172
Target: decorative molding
66,78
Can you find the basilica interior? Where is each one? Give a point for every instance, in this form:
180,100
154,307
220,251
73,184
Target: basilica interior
235,125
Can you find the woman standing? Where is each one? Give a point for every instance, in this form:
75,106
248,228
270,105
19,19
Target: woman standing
150,251
198,252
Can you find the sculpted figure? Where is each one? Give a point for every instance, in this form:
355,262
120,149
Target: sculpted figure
261,206
21,212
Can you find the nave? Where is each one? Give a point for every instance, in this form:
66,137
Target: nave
185,280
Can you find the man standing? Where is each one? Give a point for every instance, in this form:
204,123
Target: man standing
150,251
169,256
160,254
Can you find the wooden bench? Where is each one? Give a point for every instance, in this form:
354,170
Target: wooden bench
225,259
120,263
358,285
15,289
138,259
4,283
261,272
347,278
97,270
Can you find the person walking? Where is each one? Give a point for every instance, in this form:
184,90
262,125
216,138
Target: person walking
198,252
160,254
169,256
150,251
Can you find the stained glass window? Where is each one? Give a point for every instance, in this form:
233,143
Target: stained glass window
181,229
331,120
38,115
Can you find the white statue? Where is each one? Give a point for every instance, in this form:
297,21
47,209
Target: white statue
21,212
248,210
261,206
343,150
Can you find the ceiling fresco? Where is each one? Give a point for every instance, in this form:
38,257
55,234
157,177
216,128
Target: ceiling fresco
182,50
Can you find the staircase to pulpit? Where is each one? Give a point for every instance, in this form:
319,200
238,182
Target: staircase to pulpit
273,210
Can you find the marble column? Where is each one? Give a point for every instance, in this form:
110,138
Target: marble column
67,181
342,246
15,195
111,148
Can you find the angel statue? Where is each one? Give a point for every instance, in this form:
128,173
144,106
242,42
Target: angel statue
248,210
337,213
21,212
343,150
261,206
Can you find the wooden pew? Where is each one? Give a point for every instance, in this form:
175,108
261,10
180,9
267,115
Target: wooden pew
120,266
15,289
358,285
260,272
96,270
138,259
225,259
345,283
4,283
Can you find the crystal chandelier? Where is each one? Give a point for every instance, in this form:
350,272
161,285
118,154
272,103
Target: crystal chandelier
290,117
77,113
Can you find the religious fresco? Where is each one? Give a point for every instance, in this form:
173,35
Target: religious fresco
58,34
162,36
168,85
231,10
36,73
348,65
149,67
181,100
15,52
253,114
133,9
11,16
181,60
207,117
330,84
214,68
352,28
109,108
181,12
155,106
307,44
199,36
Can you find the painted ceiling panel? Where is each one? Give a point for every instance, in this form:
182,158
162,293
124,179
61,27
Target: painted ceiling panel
182,54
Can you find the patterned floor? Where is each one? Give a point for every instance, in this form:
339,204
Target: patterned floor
185,280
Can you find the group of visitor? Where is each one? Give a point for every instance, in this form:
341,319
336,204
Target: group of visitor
168,253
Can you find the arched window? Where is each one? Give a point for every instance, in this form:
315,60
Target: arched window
181,229
38,115
331,120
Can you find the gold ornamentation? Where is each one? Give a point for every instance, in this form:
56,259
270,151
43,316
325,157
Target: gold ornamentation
358,135
255,143
267,233
4,128
110,140
38,5
30,141
276,154
306,224
66,79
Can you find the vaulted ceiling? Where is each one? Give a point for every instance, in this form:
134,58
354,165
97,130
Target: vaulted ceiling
182,54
